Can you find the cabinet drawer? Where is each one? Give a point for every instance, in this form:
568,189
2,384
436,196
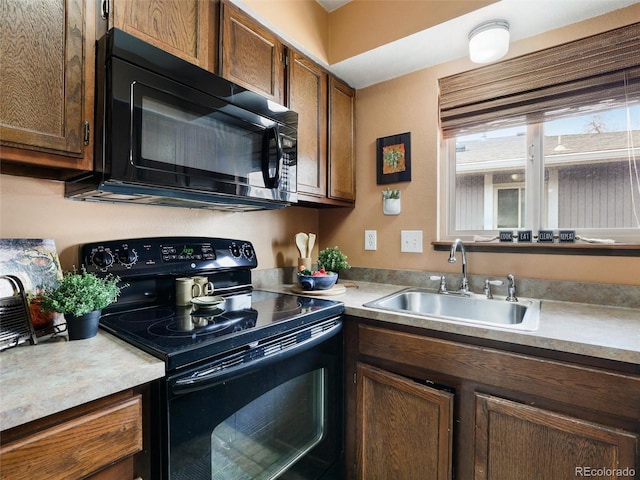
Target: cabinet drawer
592,388
76,447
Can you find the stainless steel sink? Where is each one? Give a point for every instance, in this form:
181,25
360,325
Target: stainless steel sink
476,309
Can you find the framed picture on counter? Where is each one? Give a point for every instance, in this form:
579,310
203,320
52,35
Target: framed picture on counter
393,158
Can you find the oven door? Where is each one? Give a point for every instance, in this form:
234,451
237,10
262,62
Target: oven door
274,410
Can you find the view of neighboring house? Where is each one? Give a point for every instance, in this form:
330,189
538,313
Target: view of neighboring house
591,180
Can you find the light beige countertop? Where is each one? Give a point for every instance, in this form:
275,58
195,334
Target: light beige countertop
598,331
57,374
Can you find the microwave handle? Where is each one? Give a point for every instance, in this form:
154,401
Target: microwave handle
271,181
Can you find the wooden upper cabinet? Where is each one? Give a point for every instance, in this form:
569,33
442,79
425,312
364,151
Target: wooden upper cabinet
308,97
251,55
186,29
46,79
342,166
404,428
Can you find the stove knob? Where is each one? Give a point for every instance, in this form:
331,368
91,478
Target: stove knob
247,251
235,250
127,257
102,259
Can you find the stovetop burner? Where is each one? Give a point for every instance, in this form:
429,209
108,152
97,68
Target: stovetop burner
183,335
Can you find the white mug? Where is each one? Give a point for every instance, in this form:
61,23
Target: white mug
186,289
202,286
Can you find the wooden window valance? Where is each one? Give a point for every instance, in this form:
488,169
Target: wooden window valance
601,71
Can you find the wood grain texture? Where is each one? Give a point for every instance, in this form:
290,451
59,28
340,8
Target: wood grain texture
78,446
591,388
404,428
42,60
252,56
183,28
521,442
308,97
342,173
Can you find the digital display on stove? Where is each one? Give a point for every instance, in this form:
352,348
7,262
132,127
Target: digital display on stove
187,252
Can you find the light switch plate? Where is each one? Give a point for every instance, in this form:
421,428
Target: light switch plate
370,240
411,241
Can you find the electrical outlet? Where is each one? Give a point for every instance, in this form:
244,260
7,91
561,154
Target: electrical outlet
370,240
411,241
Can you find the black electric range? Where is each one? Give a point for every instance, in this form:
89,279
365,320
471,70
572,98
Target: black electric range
146,314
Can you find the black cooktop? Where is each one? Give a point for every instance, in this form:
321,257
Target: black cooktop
182,336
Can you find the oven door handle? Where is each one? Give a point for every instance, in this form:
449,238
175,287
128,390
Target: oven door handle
200,380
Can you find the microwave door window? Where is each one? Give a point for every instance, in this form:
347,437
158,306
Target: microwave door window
204,145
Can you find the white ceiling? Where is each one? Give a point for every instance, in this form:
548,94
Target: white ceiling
448,41
331,5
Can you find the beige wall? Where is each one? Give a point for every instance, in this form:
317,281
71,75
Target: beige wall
409,104
31,208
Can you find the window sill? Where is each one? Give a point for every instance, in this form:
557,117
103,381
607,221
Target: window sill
618,250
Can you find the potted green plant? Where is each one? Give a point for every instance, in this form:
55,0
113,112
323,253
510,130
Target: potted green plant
81,296
391,202
333,260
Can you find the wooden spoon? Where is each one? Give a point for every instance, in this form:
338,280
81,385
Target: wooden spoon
312,242
302,240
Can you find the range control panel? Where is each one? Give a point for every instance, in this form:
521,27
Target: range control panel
167,255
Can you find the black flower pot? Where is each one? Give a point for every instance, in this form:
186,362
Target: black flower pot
84,326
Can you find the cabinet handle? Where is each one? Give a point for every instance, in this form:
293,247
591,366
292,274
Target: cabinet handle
104,9
87,133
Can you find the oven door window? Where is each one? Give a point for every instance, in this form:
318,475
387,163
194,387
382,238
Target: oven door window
267,436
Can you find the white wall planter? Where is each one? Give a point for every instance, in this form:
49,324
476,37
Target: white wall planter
391,206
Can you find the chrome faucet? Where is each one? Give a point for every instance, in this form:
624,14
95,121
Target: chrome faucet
511,289
464,284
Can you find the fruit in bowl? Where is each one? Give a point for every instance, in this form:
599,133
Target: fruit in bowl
317,280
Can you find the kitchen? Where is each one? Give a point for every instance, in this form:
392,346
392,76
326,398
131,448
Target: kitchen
33,208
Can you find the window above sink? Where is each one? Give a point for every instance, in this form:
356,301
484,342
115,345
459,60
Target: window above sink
546,141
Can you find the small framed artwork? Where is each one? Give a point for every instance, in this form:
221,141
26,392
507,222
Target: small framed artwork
393,158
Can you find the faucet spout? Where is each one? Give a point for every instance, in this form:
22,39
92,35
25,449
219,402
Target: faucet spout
457,244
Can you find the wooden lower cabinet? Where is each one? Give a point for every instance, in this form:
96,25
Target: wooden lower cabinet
404,428
518,413
96,441
520,442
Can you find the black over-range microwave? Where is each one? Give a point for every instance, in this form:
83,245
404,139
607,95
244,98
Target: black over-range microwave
171,133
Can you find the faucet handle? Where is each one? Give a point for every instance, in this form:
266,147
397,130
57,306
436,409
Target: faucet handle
487,286
511,289
443,282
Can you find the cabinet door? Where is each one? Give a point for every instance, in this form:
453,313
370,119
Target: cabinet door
308,97
404,429
516,441
79,446
184,28
342,172
251,55
44,104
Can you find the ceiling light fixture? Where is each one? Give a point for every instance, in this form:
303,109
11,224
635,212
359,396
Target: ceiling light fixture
489,41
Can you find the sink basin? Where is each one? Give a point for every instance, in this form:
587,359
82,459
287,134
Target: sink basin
475,309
